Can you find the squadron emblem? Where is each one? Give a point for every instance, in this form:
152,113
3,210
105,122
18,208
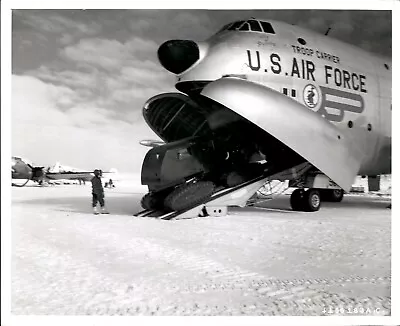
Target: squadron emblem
311,96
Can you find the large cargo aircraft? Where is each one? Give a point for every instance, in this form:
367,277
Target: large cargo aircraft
264,99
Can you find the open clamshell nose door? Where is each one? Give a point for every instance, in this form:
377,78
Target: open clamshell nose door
304,131
175,116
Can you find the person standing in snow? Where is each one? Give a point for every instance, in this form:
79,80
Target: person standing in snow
98,193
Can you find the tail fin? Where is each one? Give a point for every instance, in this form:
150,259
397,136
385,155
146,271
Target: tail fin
56,167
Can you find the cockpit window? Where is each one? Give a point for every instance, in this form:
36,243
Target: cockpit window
245,27
255,26
249,25
225,27
267,27
236,25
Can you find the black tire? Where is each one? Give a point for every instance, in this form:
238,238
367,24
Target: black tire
234,179
152,201
311,200
189,195
296,199
332,195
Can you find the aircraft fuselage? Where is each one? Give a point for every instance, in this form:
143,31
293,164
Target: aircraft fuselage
263,98
346,85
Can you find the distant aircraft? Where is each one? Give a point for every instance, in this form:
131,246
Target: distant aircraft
264,99
64,172
62,168
23,170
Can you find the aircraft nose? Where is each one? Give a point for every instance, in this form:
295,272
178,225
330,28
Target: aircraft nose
178,55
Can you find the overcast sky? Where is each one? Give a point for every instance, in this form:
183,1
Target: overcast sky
80,78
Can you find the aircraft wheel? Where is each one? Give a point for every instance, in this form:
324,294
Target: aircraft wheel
189,195
332,195
233,179
296,199
311,200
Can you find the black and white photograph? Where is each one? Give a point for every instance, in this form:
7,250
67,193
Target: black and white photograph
199,162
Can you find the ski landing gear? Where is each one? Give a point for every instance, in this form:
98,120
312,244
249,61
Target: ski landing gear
305,200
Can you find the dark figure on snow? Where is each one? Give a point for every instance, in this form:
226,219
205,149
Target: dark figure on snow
98,193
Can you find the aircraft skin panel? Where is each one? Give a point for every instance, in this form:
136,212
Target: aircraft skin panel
384,155
24,176
347,86
19,169
310,135
357,64
378,113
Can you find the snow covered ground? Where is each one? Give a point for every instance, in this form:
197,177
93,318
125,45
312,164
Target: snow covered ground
255,261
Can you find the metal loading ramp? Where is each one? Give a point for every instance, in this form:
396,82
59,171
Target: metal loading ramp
217,204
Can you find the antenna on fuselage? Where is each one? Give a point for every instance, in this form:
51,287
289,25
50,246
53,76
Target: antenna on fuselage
327,32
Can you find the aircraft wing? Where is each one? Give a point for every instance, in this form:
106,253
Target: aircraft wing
87,176
69,175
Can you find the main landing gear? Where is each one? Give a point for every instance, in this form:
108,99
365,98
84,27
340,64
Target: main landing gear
310,200
305,200
332,195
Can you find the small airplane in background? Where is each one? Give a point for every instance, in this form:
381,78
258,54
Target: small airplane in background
64,172
314,110
22,169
